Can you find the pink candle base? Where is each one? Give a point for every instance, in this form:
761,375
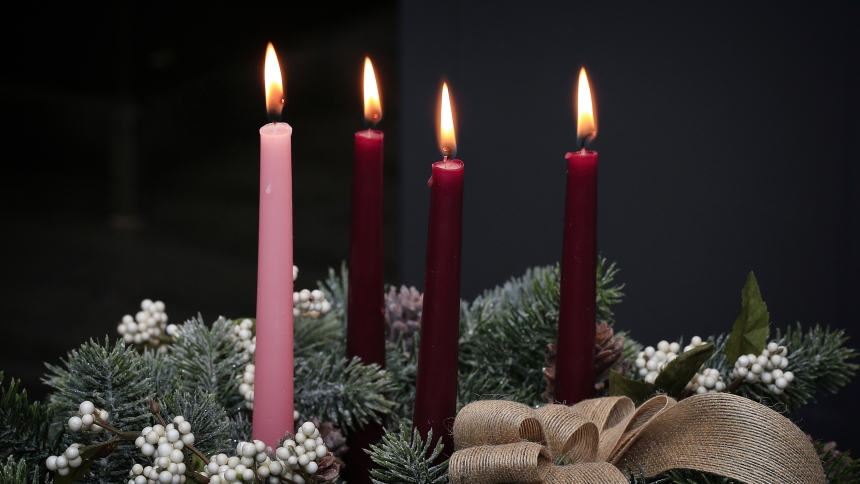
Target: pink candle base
273,383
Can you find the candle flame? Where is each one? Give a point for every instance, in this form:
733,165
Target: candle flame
372,104
274,84
586,121
447,140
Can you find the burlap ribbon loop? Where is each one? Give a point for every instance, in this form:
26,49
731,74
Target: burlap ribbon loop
525,462
719,433
492,422
568,434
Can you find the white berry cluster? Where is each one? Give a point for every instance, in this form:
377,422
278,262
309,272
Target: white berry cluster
246,388
222,469
311,304
86,417
147,326
303,452
651,362
244,334
63,463
290,461
164,444
768,367
84,420
695,342
708,381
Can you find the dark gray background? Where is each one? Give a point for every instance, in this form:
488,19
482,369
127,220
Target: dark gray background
728,143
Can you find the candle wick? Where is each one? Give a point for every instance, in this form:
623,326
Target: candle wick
585,140
446,154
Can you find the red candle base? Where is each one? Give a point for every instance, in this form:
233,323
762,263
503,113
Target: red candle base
574,370
436,388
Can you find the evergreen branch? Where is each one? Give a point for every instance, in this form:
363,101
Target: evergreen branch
347,393
162,372
406,459
839,467
631,348
607,295
689,476
12,472
238,429
312,335
641,479
819,360
208,420
116,379
25,433
336,290
504,333
401,363
207,360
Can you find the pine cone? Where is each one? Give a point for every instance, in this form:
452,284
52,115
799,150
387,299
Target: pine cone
329,466
335,442
402,314
549,375
829,452
608,355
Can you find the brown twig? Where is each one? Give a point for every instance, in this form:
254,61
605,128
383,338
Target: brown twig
199,454
734,385
110,428
155,409
197,477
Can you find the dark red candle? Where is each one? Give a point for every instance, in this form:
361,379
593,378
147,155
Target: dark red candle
574,373
365,330
436,392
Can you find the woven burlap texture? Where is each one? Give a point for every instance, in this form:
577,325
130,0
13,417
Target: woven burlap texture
719,433
526,462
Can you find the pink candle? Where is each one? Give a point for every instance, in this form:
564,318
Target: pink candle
436,387
574,371
273,385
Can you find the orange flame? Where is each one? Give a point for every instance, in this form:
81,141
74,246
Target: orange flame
447,140
372,105
274,84
586,121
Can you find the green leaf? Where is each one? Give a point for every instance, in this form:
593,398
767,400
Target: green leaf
636,390
749,335
678,372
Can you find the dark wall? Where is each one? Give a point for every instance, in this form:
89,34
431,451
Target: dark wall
728,141
131,158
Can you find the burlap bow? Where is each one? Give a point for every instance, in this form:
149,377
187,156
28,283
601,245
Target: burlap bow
499,441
